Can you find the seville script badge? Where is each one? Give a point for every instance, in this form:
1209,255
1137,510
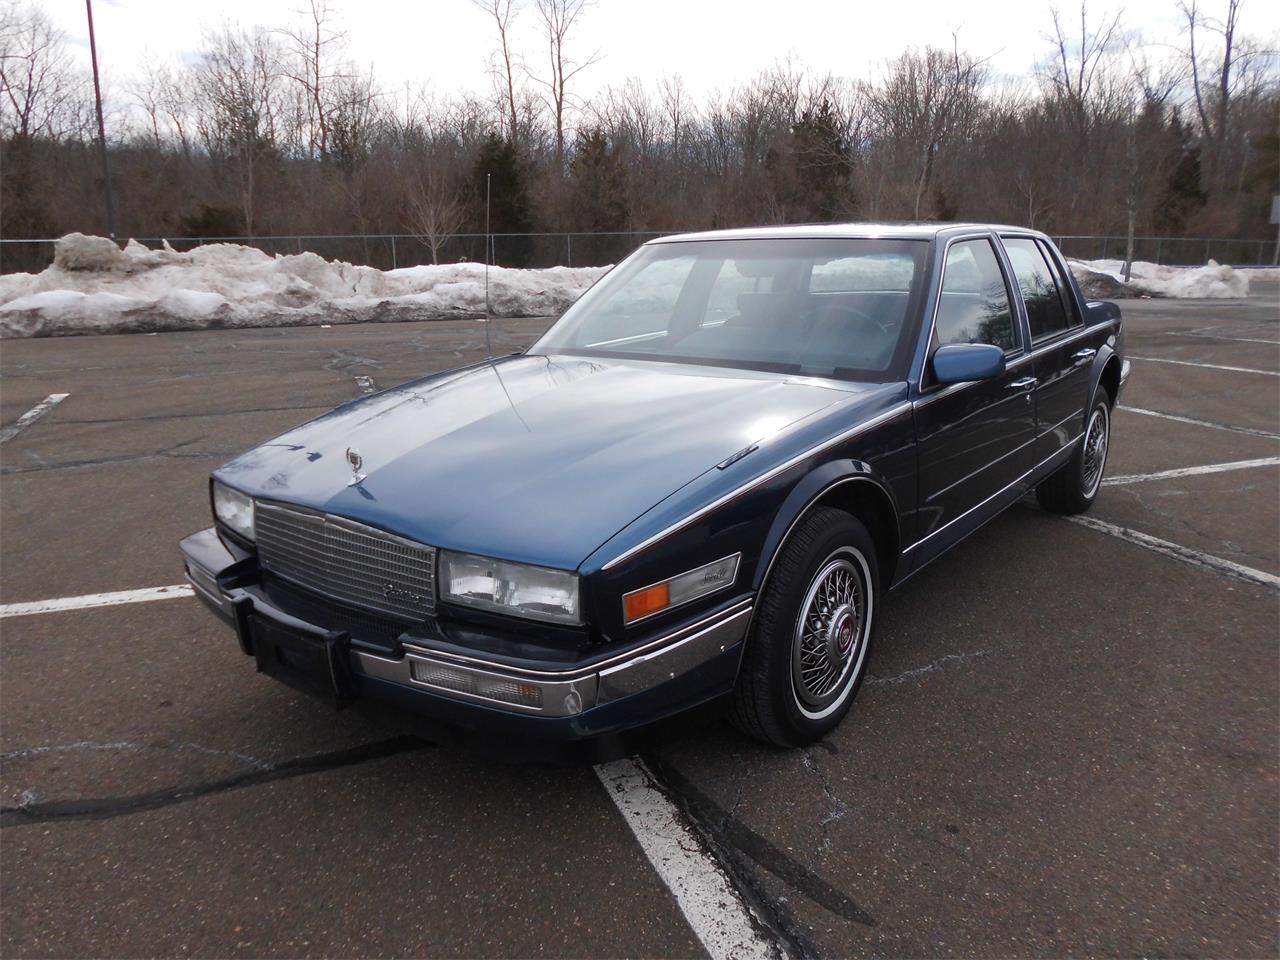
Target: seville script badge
356,462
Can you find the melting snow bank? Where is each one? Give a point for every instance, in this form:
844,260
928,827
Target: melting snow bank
1214,281
95,287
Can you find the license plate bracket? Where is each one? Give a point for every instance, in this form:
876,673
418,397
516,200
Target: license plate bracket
316,663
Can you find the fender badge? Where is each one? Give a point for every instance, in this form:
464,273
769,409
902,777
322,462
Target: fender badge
355,461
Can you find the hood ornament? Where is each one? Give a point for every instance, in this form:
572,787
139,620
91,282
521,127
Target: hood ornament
355,461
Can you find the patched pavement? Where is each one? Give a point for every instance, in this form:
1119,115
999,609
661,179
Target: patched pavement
1068,742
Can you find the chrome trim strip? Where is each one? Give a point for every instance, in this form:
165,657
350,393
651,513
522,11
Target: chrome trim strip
649,670
986,466
1049,430
669,639
1065,446
946,391
990,236
890,414
737,562
560,698
567,696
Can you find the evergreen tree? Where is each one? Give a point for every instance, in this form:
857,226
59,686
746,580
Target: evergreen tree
598,196
812,171
1181,195
499,162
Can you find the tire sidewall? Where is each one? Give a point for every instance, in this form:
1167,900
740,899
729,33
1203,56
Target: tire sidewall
850,537
1101,405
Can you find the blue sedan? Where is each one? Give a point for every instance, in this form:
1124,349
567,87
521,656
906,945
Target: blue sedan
698,484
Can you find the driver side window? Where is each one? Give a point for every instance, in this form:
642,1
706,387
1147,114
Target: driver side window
973,305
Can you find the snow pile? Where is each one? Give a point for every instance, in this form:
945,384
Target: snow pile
1214,281
95,287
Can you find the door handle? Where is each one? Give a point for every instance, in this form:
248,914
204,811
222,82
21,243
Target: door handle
1026,383
1088,353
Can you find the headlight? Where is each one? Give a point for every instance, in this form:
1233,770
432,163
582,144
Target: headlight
517,589
233,508
682,588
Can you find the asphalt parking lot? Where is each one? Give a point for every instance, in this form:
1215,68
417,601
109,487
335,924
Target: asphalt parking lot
1068,744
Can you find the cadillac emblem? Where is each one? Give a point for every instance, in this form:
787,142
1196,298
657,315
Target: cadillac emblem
355,461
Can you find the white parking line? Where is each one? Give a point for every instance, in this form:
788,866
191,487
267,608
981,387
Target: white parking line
32,415
90,600
1210,366
1202,423
1178,552
708,901
1218,336
1191,471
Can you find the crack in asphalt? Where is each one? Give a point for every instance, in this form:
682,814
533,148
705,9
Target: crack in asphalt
838,807
108,807
26,753
737,846
192,415
197,414
933,665
168,453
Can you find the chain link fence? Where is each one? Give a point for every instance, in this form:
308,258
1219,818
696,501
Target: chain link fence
391,251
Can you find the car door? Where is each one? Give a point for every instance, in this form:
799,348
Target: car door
975,440
1062,359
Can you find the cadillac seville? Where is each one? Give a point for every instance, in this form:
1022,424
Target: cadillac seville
698,484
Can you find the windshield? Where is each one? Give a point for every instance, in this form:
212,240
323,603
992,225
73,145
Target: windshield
826,307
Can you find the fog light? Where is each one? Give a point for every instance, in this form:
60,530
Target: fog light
477,685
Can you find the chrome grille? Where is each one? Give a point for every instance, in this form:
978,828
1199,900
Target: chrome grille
346,560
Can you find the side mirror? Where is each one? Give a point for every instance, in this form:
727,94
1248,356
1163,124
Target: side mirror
963,362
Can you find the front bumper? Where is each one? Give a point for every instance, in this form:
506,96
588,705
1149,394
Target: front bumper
603,694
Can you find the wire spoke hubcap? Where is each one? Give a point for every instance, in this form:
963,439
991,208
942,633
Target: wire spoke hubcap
1095,451
829,633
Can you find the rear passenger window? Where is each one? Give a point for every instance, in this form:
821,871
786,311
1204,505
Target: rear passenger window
973,305
1046,302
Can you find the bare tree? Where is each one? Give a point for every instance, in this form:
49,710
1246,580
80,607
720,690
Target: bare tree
38,82
435,212
503,13
926,100
314,64
558,20
1217,85
1080,68
238,83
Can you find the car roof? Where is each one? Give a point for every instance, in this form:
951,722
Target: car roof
912,230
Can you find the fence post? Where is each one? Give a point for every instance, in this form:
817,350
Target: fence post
1206,251
568,245
298,241
1159,244
393,252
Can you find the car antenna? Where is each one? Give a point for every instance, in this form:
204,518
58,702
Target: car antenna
488,245
488,345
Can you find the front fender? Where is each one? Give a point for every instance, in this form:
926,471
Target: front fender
820,481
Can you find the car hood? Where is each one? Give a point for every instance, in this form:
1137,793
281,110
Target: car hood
537,459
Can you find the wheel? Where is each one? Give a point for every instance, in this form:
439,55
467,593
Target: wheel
1074,486
807,651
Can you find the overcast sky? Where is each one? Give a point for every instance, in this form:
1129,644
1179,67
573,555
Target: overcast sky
712,44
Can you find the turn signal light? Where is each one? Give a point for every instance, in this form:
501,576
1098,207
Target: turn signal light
680,589
647,601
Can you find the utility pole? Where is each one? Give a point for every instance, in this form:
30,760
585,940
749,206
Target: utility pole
102,132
